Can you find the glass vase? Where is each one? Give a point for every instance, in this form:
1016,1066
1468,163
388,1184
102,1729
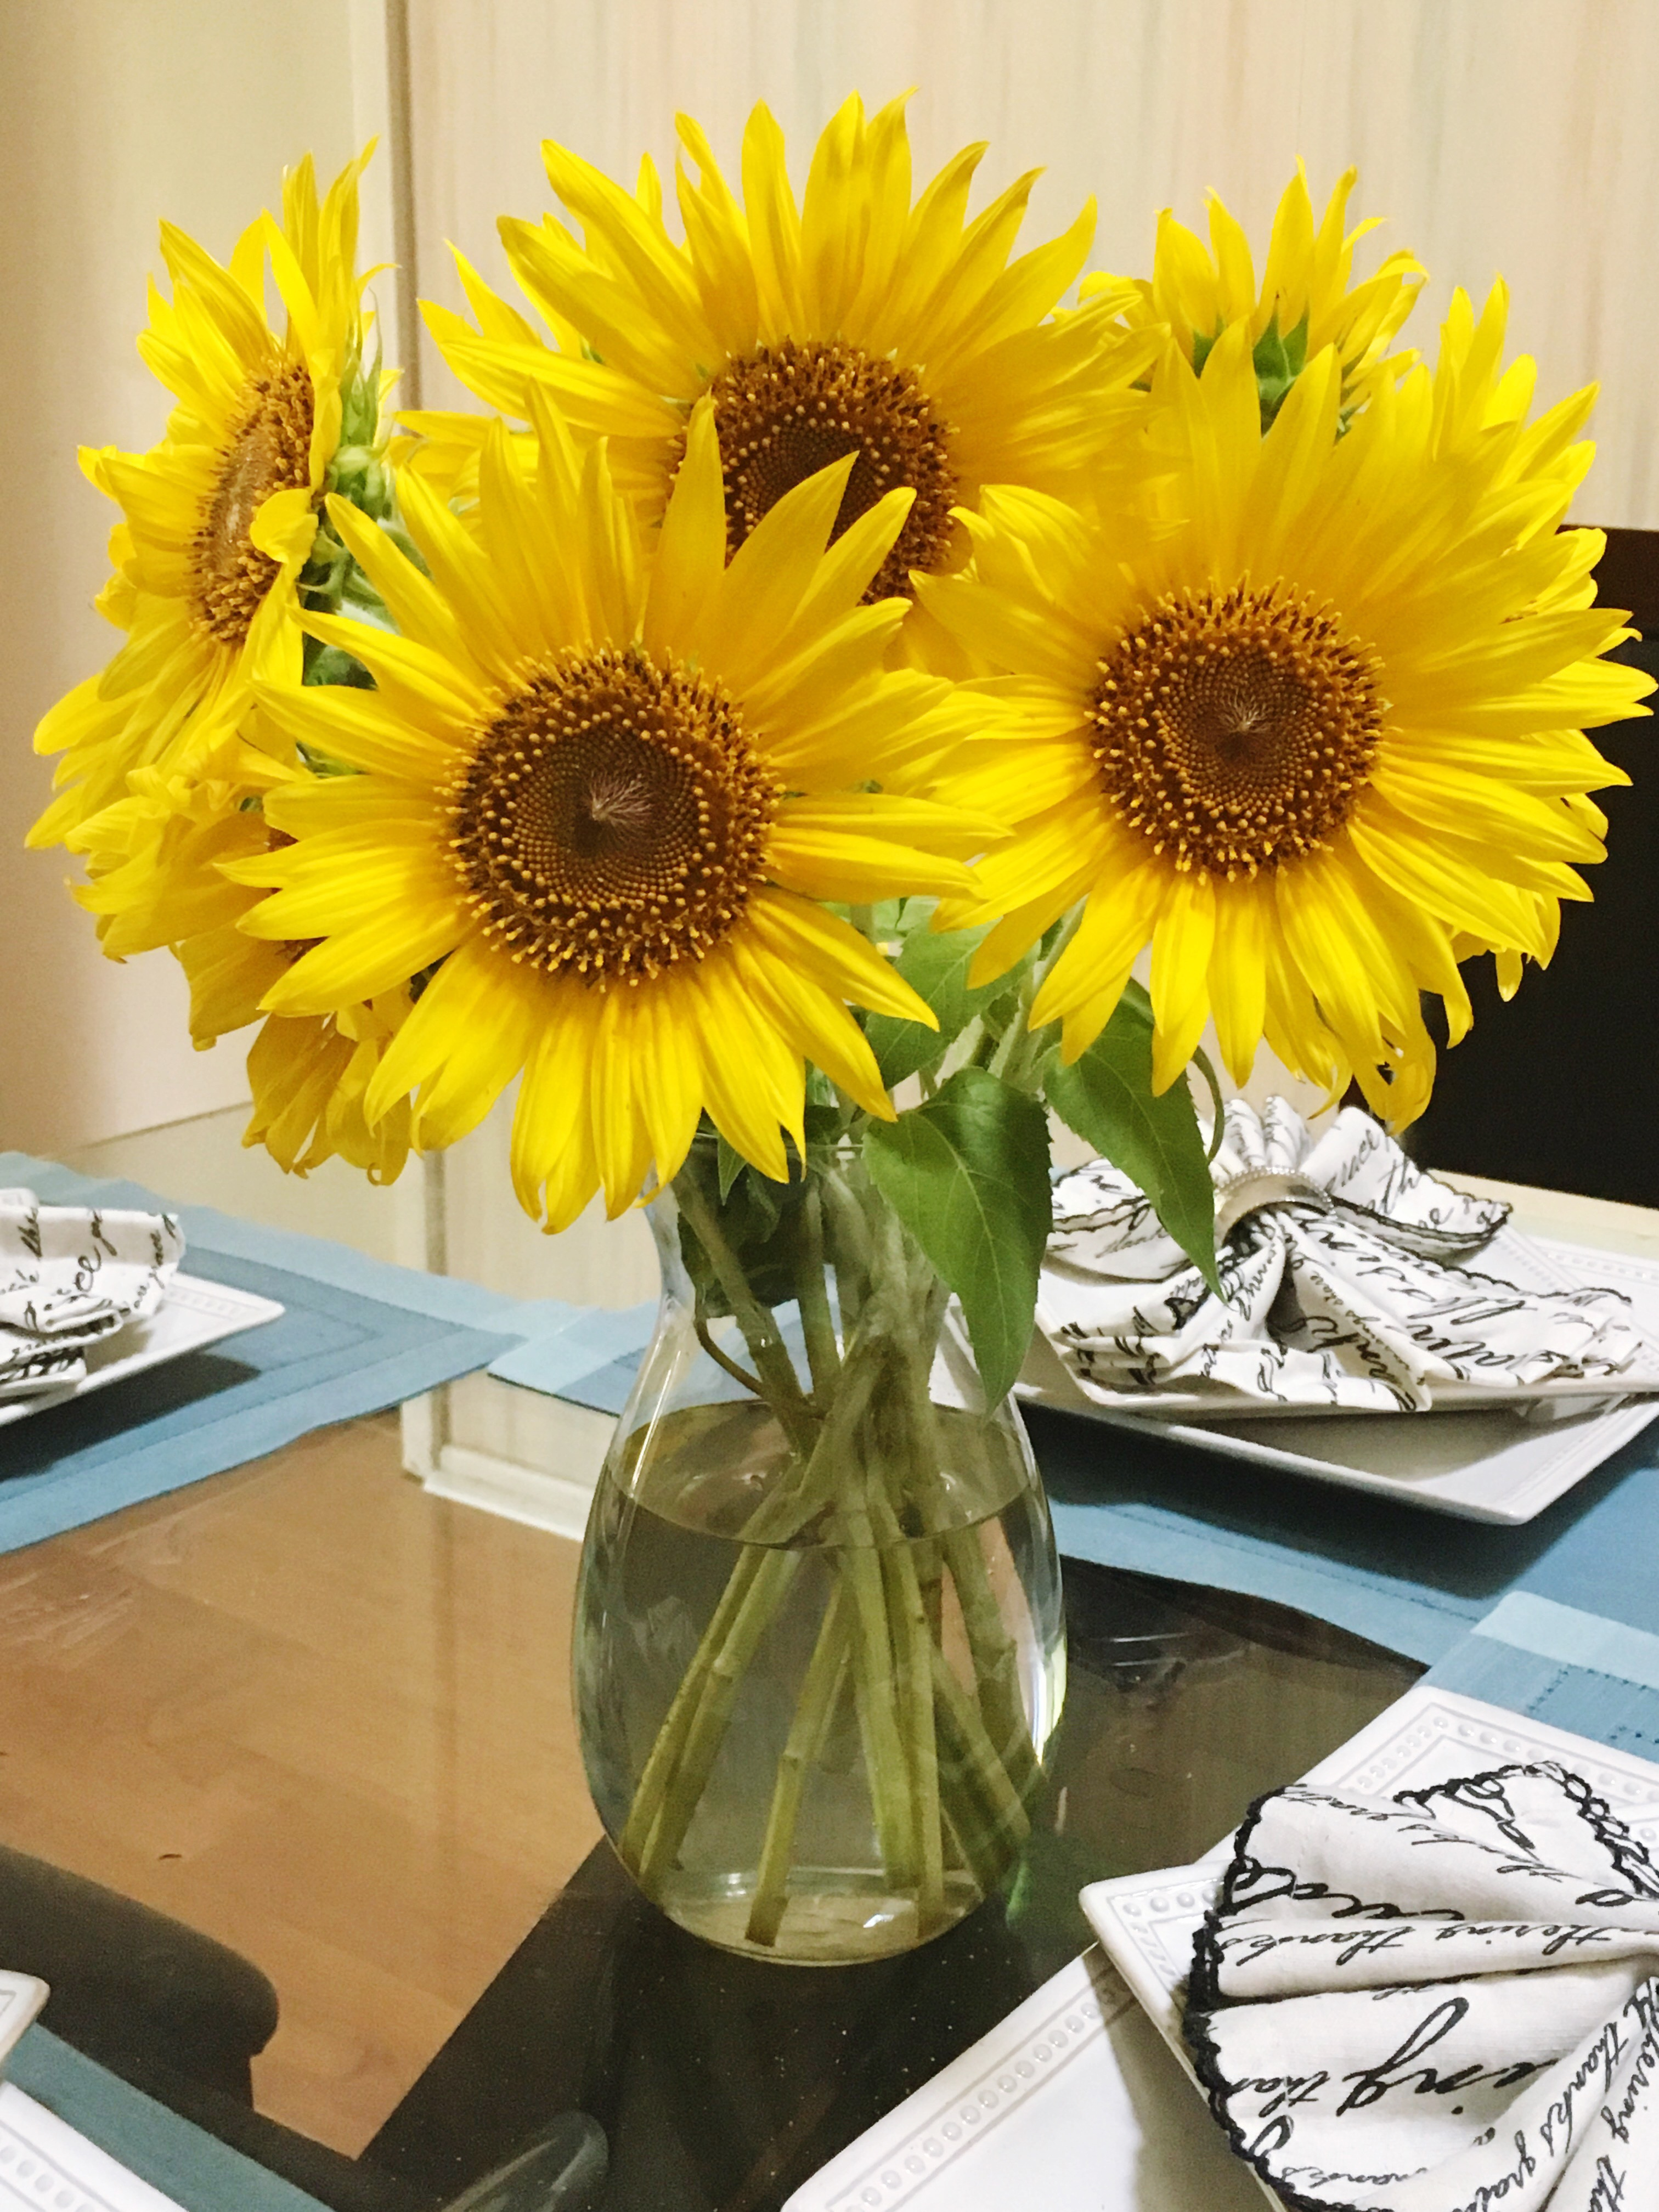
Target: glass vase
818,1648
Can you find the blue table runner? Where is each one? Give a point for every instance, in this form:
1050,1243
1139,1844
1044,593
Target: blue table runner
357,1335
1414,1581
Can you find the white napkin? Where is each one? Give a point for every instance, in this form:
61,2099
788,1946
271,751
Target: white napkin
1336,1260
1442,2001
70,1276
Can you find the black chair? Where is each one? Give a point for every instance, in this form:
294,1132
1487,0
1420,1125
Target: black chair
181,2017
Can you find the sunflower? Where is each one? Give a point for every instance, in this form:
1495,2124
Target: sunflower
221,517
154,860
1305,302
856,324
310,1077
1321,741
604,793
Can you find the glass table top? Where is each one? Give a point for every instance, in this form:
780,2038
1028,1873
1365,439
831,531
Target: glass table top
438,2017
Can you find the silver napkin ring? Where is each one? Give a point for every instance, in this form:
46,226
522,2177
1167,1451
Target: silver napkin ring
1257,1190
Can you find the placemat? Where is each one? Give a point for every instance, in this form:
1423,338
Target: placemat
1574,1669
172,2155
587,1355
358,1336
1415,1582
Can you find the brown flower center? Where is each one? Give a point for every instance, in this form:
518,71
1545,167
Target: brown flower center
612,819
792,409
1236,729
270,449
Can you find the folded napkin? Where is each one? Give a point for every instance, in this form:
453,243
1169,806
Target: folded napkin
1441,2002
70,1276
1340,1285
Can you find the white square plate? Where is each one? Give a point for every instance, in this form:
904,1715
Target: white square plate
21,1997
1082,2099
1072,2103
193,1314
45,2164
1146,1921
1481,1461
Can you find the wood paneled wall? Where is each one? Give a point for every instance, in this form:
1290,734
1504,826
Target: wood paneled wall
1511,135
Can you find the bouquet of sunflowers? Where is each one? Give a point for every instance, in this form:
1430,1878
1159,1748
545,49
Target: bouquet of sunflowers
770,731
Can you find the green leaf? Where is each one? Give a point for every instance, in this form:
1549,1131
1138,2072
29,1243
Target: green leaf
732,1165
327,664
1278,360
936,967
968,1175
1107,1097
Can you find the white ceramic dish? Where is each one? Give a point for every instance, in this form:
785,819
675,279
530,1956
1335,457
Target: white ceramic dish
1146,1921
1072,2103
45,2163
1082,2099
193,1314
1481,1461
21,1997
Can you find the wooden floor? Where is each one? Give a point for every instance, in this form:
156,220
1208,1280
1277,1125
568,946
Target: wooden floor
321,1716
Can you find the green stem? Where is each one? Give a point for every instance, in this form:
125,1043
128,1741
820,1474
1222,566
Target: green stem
820,1692
818,1323
1010,1058
720,1359
683,1794
767,1348
872,1683
683,1711
912,1646
969,1847
973,1757
850,1235
996,1663
973,1832
781,1517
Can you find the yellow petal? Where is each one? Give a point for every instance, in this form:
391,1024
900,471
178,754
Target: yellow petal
1182,944
835,954
691,551
1238,971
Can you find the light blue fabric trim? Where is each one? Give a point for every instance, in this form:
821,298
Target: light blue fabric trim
573,1343
1527,1622
172,2155
1581,1699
